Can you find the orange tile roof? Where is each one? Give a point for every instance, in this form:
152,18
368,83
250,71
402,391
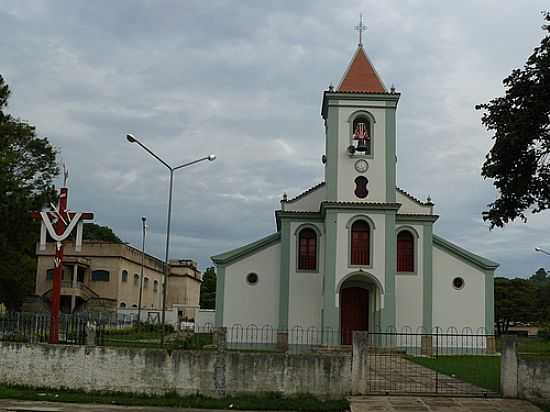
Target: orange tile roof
361,76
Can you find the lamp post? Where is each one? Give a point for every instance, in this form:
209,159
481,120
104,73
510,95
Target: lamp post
540,250
132,139
143,220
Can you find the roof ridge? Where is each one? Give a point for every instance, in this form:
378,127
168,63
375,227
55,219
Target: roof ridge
477,260
307,191
404,192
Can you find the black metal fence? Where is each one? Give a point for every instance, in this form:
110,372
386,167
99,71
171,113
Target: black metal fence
35,328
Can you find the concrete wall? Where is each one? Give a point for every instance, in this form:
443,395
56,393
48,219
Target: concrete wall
153,371
524,377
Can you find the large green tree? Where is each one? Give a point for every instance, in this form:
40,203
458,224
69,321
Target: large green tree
27,169
208,289
519,161
93,231
515,302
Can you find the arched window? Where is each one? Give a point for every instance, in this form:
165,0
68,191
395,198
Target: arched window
405,251
122,305
360,243
136,279
155,286
361,138
145,283
125,276
307,249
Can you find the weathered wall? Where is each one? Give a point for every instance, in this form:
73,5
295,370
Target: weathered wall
534,379
185,372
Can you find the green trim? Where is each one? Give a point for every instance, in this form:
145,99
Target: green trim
489,303
220,291
405,218
330,315
359,205
284,280
427,277
468,257
331,147
388,314
391,159
246,250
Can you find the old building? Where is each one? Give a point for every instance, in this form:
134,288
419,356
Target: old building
106,277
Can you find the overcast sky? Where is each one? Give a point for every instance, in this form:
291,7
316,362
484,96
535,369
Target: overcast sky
244,80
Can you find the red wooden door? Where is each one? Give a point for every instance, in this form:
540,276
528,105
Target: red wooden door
354,312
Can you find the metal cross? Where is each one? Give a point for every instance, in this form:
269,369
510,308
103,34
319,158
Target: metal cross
361,28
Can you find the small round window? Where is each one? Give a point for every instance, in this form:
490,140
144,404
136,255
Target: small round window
252,278
458,283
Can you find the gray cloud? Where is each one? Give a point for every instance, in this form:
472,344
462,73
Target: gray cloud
244,80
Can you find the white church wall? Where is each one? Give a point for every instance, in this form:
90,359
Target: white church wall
305,289
463,308
409,206
257,304
376,173
378,259
310,202
409,287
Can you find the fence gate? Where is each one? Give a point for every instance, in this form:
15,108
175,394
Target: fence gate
447,364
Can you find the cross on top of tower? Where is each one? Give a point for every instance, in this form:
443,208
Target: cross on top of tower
361,28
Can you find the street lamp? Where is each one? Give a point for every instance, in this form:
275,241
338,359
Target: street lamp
132,139
540,250
143,220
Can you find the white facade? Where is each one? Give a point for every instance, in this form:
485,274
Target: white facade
356,252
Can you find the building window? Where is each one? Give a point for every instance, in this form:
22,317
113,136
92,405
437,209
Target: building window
155,286
100,276
136,279
49,274
145,282
458,283
252,278
405,251
361,137
122,305
125,276
360,243
307,249
134,305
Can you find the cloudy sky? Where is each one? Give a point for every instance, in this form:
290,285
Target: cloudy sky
244,80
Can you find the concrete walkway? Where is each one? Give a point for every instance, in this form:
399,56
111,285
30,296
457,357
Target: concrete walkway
439,404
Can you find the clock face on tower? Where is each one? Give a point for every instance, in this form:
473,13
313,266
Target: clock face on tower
361,165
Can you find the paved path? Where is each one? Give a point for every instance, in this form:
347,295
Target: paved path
439,404
7,405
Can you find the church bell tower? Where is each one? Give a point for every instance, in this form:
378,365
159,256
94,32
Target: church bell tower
359,120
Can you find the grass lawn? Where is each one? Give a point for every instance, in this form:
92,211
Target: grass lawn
271,402
483,371
136,338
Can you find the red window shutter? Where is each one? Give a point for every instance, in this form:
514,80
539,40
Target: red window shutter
307,249
360,243
405,252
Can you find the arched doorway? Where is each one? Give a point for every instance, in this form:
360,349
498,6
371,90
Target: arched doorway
360,304
354,312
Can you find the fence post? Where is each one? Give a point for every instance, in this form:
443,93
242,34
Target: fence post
282,341
426,345
359,365
491,344
91,333
509,367
220,338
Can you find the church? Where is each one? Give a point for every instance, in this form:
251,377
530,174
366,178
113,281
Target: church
356,252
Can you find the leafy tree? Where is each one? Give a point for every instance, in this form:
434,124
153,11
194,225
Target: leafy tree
27,169
208,289
515,301
519,161
93,231
540,276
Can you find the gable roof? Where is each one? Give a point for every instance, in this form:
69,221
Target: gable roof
361,76
476,260
243,251
414,199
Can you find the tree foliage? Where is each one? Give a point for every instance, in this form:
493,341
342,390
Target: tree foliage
208,289
519,161
27,169
93,231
